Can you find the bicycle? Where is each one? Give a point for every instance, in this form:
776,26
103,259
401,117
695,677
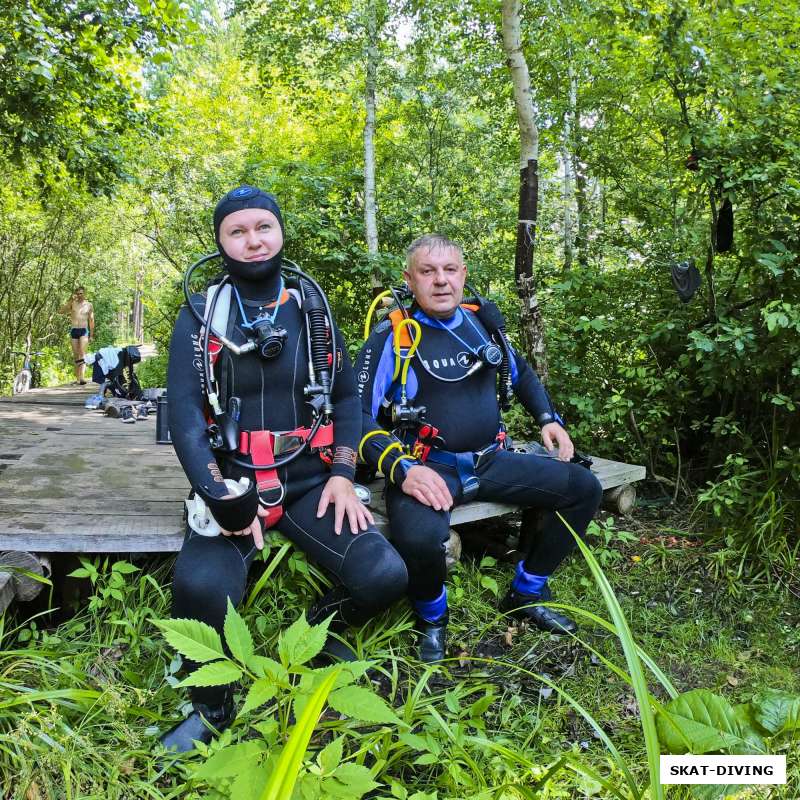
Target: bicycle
29,377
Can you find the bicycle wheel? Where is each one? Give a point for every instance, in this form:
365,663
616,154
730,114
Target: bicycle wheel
22,382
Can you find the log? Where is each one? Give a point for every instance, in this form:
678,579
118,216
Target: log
452,550
17,564
6,590
621,499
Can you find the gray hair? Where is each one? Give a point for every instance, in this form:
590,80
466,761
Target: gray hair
431,241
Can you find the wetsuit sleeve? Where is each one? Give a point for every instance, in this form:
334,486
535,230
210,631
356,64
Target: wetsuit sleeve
186,400
346,414
530,391
379,448
187,426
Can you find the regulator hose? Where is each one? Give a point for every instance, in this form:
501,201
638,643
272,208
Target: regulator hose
321,355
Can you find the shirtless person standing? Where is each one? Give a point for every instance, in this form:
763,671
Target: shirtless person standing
81,315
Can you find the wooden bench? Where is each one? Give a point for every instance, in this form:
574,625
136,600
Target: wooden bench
76,481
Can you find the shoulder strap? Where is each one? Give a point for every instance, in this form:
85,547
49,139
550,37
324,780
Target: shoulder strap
396,317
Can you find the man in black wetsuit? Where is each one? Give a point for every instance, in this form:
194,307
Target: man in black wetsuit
451,377
318,508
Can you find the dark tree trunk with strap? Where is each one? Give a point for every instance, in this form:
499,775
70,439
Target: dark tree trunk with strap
532,324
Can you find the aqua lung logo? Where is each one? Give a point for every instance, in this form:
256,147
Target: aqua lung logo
197,360
461,360
363,374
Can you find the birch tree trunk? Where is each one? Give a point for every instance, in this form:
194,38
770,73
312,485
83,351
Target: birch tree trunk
567,197
370,201
532,324
567,148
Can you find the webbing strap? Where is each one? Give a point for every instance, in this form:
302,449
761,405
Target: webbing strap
214,348
267,479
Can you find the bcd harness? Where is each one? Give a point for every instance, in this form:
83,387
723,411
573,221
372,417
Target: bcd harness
268,450
421,439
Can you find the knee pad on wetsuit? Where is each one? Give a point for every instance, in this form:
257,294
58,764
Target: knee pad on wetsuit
206,575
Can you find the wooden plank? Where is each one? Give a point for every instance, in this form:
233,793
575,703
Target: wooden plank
93,484
13,507
94,533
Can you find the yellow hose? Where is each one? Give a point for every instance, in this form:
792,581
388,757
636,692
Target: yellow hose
392,446
375,303
399,358
394,464
366,437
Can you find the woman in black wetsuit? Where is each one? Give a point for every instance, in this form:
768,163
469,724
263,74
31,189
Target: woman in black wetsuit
319,510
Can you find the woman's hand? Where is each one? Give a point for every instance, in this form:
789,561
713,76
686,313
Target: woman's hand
254,529
341,493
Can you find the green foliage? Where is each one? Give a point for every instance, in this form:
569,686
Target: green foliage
71,82
285,685
701,722
84,701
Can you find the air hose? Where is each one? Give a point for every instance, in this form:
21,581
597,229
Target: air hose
318,329
373,306
402,362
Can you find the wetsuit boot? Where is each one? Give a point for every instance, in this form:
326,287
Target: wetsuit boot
522,598
203,724
333,602
432,639
432,619
523,606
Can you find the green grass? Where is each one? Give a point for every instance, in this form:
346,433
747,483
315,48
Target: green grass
81,704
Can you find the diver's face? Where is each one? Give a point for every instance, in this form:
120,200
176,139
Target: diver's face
252,234
436,278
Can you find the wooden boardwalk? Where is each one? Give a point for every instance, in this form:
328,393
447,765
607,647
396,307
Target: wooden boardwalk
74,480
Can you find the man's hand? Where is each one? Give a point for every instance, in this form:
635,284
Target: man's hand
254,529
553,435
427,486
341,493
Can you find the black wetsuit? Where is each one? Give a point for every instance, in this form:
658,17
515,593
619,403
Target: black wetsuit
467,414
209,570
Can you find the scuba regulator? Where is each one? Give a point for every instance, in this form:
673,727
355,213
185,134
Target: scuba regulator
269,338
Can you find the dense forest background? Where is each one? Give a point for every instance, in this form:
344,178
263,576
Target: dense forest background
667,132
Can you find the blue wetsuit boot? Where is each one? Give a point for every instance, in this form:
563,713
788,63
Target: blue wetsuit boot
521,601
432,619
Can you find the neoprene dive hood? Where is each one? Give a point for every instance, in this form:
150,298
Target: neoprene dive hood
238,199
